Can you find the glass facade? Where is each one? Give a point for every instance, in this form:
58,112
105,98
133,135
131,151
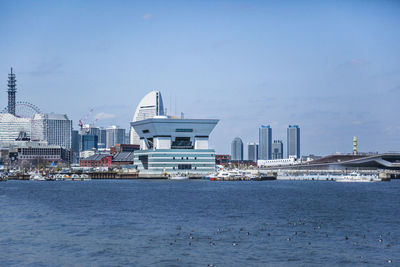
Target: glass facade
89,142
195,161
293,141
265,142
277,149
237,149
252,152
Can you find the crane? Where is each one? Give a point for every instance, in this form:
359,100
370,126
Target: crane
82,120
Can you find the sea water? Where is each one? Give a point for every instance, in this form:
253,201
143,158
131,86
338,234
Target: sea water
199,223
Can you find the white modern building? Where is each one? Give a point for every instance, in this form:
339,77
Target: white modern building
169,146
114,135
292,160
150,106
11,126
56,129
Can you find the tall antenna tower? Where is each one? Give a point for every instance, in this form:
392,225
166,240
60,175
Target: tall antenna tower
11,92
354,145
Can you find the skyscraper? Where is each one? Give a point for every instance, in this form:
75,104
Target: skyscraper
102,138
89,142
293,141
75,141
114,135
265,142
56,129
237,149
150,106
277,149
252,151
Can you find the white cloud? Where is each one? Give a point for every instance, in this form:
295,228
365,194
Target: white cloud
147,16
104,116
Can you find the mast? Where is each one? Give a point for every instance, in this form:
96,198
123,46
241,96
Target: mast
12,83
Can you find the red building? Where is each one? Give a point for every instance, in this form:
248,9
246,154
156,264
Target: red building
222,159
123,148
97,160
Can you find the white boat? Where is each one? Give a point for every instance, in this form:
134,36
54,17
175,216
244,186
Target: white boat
59,177
81,177
37,177
357,177
75,177
178,177
219,176
85,177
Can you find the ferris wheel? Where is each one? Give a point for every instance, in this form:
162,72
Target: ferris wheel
24,109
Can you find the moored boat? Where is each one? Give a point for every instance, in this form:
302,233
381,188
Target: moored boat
357,177
37,177
178,176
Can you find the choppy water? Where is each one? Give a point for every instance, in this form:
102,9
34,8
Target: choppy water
199,223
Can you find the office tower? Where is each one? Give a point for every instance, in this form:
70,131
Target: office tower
252,152
89,142
277,149
56,129
114,135
88,129
127,137
11,126
265,142
150,106
237,149
102,138
75,141
293,141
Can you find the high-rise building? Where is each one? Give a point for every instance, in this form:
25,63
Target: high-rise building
102,138
252,152
293,141
75,141
56,129
114,135
277,149
11,126
265,142
237,149
88,129
149,107
127,137
89,142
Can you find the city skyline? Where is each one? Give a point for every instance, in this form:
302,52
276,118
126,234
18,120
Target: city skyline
336,80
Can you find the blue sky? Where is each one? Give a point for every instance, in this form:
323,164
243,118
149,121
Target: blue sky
332,67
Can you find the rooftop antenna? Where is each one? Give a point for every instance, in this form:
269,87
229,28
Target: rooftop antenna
12,89
354,145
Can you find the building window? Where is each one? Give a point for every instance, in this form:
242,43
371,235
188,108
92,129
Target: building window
184,130
184,166
145,131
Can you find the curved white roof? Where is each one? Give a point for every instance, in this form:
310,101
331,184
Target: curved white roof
149,107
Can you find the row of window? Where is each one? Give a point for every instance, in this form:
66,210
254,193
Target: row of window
182,157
